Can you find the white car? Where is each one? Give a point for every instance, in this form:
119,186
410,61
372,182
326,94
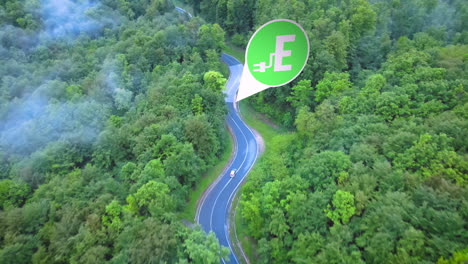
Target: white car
232,174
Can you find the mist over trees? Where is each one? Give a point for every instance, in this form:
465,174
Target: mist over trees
99,142
375,167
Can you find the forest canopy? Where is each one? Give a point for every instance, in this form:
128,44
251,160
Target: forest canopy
107,120
374,168
111,111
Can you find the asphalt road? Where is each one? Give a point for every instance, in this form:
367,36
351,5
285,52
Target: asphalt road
180,10
213,211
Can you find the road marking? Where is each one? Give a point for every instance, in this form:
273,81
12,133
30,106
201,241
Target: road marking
214,204
232,82
235,189
235,156
219,178
240,182
219,194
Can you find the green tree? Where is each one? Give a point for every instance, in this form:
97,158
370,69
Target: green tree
325,167
214,80
166,147
199,132
154,242
239,16
158,7
251,212
128,171
432,155
331,85
200,248
73,91
197,105
278,226
13,194
457,257
151,199
362,18
211,37
337,45
374,84
389,105
301,94
306,247
411,245
306,123
154,170
195,5
185,165
112,217
342,208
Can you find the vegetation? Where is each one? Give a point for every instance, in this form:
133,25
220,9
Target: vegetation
208,178
110,112
268,132
376,170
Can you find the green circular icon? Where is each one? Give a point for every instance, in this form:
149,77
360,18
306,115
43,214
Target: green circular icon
277,52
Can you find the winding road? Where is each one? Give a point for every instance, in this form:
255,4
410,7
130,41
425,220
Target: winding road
213,210
214,206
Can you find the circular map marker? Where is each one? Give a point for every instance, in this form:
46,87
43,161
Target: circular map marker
277,52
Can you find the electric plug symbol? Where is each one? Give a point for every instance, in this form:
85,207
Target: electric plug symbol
262,65
279,54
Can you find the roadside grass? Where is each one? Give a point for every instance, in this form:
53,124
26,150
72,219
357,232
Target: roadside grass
245,242
268,132
236,52
249,245
258,122
206,180
254,120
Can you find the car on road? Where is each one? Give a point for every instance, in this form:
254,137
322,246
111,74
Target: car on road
232,174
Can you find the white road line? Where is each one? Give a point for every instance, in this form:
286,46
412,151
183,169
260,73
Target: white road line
219,194
229,57
217,197
235,189
240,182
231,82
213,185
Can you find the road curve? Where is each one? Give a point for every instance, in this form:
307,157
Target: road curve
213,211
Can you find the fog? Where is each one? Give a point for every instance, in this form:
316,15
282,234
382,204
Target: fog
33,122
40,112
63,18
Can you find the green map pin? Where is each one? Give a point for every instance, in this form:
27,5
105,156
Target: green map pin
276,54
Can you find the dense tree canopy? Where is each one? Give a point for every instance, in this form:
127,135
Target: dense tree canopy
110,112
107,120
374,169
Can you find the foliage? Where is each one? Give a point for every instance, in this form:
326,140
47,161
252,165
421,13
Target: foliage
106,123
343,207
301,94
375,168
214,80
332,84
110,111
200,248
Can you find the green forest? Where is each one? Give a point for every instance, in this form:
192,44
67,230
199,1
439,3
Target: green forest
111,112
374,168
